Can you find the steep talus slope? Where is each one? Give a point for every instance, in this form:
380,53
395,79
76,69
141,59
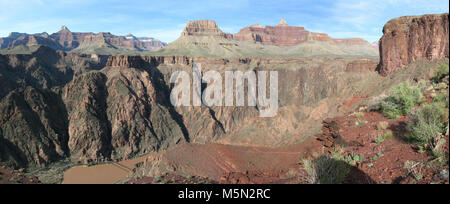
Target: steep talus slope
412,38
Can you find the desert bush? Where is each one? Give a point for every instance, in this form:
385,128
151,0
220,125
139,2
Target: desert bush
441,72
359,115
380,139
327,169
383,125
427,123
442,98
390,109
403,98
438,150
353,159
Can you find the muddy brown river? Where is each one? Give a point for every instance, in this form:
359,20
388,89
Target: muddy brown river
101,174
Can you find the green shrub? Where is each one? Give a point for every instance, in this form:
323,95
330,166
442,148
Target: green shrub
390,109
403,98
442,98
327,169
359,115
442,71
380,139
352,159
361,123
428,123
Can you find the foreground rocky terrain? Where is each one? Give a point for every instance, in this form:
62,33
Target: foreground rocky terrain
356,132
59,109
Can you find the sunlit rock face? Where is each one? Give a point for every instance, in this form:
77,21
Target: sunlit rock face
285,35
412,38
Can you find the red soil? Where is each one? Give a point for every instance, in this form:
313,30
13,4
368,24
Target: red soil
384,162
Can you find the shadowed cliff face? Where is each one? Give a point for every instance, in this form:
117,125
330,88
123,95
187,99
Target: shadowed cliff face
114,108
33,128
411,38
44,68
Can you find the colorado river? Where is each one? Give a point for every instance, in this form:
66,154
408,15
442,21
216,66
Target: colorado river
102,173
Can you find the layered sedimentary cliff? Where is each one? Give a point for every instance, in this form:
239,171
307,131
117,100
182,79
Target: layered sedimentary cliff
202,28
412,38
83,42
287,36
92,108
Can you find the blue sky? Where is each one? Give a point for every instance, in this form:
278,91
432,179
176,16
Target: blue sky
166,19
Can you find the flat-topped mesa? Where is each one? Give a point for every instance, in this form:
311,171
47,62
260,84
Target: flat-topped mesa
280,35
202,28
410,38
286,36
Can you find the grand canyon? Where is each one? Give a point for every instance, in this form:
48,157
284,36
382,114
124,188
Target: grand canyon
75,105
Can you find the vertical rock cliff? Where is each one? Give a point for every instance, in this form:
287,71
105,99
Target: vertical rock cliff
412,38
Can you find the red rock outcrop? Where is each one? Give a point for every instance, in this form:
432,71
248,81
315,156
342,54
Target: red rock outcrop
412,38
280,35
285,35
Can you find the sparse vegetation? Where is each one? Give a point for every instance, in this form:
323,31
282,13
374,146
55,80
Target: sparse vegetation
403,98
380,139
360,123
438,150
428,123
383,125
442,71
327,169
359,115
414,169
353,159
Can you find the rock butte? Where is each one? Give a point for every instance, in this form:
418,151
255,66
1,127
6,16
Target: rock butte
285,35
412,38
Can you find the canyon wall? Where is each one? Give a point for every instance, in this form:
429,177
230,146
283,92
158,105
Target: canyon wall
410,38
92,108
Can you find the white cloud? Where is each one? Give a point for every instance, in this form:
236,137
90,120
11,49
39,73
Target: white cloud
165,35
